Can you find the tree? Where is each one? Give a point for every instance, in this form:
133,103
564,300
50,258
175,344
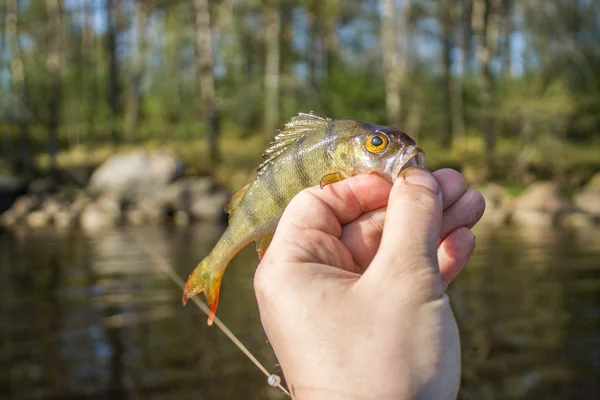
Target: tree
391,62
24,163
272,66
53,62
486,20
206,78
114,90
137,68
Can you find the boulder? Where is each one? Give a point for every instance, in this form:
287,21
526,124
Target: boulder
200,198
136,173
534,218
10,189
94,218
38,219
24,205
578,220
544,197
498,204
588,199
209,206
64,219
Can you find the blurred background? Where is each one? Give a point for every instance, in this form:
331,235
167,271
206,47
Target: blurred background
127,124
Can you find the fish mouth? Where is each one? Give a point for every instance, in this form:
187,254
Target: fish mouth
412,156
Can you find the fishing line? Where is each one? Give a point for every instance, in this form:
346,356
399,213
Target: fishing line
272,379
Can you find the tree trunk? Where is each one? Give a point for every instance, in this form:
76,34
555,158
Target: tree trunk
446,25
508,27
7,150
486,26
53,71
89,84
23,163
113,68
206,78
391,62
466,33
135,92
272,65
315,38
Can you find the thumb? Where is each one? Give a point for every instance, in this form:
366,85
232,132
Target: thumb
412,225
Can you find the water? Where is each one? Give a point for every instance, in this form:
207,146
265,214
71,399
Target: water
91,317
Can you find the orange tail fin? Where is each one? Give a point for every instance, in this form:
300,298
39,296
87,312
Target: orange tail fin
207,281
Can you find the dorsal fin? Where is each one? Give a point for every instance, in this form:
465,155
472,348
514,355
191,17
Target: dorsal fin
299,126
235,200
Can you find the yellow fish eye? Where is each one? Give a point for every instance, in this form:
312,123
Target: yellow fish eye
376,142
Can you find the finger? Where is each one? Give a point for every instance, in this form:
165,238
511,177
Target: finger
452,184
327,209
363,235
454,252
467,211
412,225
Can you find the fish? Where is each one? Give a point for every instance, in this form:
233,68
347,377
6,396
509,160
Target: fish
311,149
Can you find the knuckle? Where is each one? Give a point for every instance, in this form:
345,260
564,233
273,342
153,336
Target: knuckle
420,198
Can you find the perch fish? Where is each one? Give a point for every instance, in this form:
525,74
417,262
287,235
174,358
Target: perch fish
310,150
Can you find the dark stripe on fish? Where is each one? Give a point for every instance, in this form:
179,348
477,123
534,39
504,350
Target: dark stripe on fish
276,191
300,167
253,218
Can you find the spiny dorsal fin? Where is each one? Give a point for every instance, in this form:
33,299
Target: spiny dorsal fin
235,200
299,126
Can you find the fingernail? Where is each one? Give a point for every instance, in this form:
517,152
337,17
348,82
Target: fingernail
418,176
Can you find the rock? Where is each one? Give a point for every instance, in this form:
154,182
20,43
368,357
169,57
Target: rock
588,199
199,197
137,173
24,205
64,219
94,218
136,216
51,206
594,183
181,218
533,218
154,208
578,220
498,204
543,197
110,204
9,218
10,189
79,203
38,219
209,206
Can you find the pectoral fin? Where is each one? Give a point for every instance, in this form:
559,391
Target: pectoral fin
331,178
262,245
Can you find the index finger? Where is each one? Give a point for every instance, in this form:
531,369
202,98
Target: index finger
335,205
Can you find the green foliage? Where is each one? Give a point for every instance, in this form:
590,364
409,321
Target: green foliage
546,112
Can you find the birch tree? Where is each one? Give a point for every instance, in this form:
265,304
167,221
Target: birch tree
272,69
206,78
53,63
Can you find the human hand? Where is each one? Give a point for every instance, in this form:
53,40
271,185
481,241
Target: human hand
352,294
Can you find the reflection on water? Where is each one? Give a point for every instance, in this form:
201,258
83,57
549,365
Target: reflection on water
92,317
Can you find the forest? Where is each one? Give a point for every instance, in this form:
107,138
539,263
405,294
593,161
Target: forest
504,90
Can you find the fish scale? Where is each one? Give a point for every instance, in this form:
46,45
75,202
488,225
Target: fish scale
310,150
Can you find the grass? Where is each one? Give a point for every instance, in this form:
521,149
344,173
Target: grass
241,156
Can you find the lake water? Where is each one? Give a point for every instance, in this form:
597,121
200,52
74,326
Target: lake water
92,317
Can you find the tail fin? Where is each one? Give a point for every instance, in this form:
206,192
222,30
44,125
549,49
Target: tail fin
204,280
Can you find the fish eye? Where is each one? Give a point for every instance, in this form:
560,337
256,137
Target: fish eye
376,142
